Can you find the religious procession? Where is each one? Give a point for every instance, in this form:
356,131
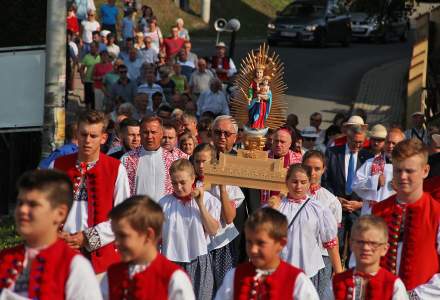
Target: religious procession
188,177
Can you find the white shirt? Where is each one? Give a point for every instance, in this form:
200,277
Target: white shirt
314,224
199,81
113,49
365,185
329,200
304,289
81,283
150,174
214,102
227,232
183,235
88,28
347,160
148,55
77,219
179,286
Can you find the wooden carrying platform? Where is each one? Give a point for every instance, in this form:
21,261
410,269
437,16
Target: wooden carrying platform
249,169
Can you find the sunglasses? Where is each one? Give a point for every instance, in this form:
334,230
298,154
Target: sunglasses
123,72
220,133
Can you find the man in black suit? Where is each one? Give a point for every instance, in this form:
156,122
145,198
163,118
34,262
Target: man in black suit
342,164
434,157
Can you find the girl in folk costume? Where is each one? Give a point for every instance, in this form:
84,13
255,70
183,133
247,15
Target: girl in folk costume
229,197
191,214
143,273
266,276
44,267
369,243
311,224
315,160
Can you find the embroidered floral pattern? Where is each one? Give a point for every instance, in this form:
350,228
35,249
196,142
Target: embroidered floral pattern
378,165
93,239
330,244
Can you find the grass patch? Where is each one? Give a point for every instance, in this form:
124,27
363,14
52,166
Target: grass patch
253,15
8,235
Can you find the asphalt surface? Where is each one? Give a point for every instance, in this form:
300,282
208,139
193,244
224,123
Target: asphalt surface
325,80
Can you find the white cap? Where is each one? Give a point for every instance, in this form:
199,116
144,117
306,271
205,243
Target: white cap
309,132
378,131
104,33
221,44
355,121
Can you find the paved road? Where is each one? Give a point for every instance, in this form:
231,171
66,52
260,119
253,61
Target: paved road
325,80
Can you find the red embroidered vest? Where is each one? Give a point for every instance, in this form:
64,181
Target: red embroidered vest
48,274
100,182
279,285
420,260
225,66
149,284
379,287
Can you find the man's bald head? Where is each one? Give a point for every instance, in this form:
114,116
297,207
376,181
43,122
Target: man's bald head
281,142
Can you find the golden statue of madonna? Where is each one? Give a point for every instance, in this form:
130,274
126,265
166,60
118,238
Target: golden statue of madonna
259,104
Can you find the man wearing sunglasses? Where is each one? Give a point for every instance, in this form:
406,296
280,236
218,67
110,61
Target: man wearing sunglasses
124,88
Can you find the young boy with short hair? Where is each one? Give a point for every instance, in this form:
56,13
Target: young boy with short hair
266,276
143,272
44,266
368,280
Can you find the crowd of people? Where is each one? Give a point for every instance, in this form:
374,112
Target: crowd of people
121,211
127,64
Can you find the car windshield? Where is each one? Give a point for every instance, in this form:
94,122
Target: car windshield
303,10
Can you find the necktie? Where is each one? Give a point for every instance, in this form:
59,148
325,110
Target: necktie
350,175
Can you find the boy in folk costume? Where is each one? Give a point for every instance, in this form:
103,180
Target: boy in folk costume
368,280
44,266
220,246
266,276
413,218
99,183
191,215
143,272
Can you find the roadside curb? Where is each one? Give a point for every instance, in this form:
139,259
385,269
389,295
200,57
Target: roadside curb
382,92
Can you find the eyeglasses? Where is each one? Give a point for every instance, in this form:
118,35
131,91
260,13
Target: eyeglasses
315,120
309,139
123,72
370,244
219,133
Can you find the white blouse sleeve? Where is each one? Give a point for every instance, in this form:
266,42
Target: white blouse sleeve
213,206
235,194
304,289
82,283
100,235
226,290
179,287
328,227
399,291
365,184
104,287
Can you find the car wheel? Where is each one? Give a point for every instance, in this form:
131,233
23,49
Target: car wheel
321,39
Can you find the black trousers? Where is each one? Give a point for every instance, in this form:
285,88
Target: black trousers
249,205
89,95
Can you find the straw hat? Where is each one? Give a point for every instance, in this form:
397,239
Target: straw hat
378,132
355,121
309,132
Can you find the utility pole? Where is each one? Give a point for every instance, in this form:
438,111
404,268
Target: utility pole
55,81
206,10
